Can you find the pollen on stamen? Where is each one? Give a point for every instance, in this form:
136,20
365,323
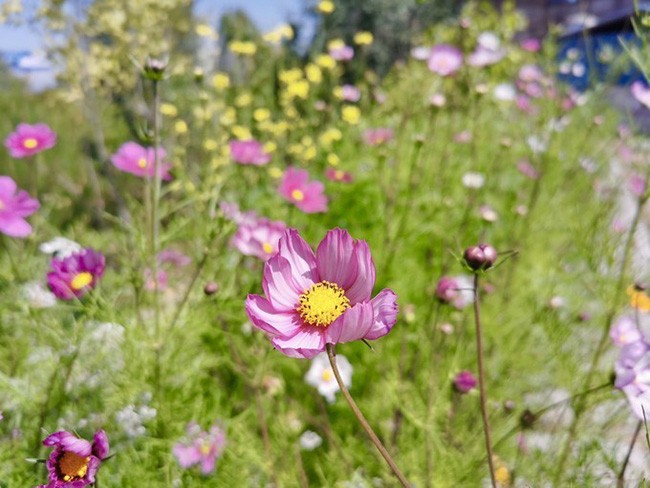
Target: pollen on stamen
322,304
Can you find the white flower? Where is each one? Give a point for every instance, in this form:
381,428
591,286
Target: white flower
131,419
37,295
473,180
505,92
310,440
421,53
537,144
321,376
60,247
489,40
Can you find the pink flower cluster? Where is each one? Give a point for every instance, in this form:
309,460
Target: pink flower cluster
307,195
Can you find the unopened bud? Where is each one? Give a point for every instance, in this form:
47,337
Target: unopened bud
480,257
154,69
211,288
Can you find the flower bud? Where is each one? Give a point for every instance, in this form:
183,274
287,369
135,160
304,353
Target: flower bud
480,257
464,382
211,288
527,419
154,69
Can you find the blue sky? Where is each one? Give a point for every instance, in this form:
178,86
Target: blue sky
265,13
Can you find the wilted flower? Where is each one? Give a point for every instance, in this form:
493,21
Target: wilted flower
200,447
307,195
76,274
455,290
310,440
60,247
28,140
74,462
379,135
464,382
321,376
249,151
338,175
322,298
15,205
445,59
133,158
259,238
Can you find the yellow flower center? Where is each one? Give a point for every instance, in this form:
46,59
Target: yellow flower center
73,467
338,174
267,248
205,448
30,143
298,195
327,375
142,162
80,280
322,304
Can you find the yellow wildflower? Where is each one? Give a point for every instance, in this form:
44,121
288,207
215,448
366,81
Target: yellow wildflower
333,159
330,135
244,100
275,172
270,147
363,38
180,127
168,109
326,7
309,153
261,114
639,299
325,61
290,75
204,30
228,117
210,144
221,81
351,114
241,132
244,48
338,92
314,73
298,89
335,44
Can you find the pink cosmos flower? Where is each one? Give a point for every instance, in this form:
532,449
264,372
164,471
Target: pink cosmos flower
74,462
15,205
249,151
350,93
323,298
306,195
231,211
133,158
75,275
260,238
200,447
624,332
445,59
641,93
28,140
338,175
343,53
380,135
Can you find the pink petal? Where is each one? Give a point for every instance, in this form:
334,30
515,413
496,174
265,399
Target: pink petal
7,186
100,444
265,317
306,344
385,310
353,325
207,463
336,259
186,455
15,227
279,284
301,258
361,289
69,442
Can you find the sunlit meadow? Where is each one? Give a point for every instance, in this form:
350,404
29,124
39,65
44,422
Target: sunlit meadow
294,271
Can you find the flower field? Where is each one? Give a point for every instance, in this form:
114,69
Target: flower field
283,270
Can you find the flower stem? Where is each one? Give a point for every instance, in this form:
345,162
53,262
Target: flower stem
620,480
481,382
362,420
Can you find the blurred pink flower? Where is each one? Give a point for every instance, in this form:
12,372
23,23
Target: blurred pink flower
527,169
638,185
28,140
259,238
338,175
314,299
350,93
307,195
343,53
201,448
15,205
531,44
641,93
464,382
133,158
380,135
249,152
445,59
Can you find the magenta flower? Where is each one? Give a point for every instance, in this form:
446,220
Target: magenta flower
307,195
380,135
133,158
641,93
445,59
323,298
200,447
338,175
15,205
464,382
74,461
28,140
249,152
260,238
531,44
76,274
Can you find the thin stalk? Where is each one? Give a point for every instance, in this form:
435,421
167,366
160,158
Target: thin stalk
620,285
481,382
266,439
331,354
620,480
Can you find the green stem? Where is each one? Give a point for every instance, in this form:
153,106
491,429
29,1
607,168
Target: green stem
362,420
